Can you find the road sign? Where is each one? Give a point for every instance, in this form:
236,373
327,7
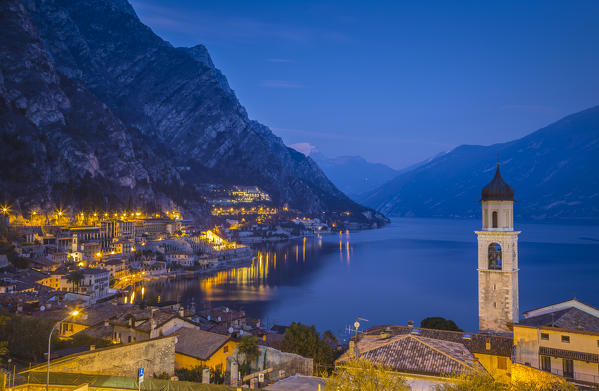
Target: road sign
140,375
261,378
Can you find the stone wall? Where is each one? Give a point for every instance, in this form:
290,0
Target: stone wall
157,356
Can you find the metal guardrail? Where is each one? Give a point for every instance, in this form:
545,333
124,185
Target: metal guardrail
577,376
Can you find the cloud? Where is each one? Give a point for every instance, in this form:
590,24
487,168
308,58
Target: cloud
279,60
280,84
366,139
305,148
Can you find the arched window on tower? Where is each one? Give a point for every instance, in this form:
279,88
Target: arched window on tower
495,219
494,256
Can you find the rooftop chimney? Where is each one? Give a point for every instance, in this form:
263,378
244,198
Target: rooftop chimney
410,323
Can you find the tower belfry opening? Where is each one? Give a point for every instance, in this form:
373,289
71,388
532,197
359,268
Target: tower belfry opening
497,258
494,256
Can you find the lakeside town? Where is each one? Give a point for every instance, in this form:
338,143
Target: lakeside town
94,256
71,281
299,196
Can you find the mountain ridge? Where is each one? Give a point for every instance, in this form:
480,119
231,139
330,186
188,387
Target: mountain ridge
353,175
183,123
551,170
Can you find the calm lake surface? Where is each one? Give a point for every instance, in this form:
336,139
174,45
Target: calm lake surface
411,269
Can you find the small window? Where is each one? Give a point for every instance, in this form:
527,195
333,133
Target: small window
226,349
565,339
544,336
495,224
501,363
129,339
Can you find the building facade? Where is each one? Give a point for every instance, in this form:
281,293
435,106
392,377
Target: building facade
562,339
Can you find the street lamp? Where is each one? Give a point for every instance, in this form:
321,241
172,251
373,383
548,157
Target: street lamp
72,314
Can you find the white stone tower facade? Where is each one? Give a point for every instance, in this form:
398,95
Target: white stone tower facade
497,259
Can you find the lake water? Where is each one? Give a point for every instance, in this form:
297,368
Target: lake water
408,270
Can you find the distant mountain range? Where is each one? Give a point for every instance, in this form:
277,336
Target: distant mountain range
96,111
354,175
554,172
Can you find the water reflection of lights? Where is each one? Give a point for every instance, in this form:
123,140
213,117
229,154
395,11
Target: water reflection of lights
254,276
304,250
347,247
243,284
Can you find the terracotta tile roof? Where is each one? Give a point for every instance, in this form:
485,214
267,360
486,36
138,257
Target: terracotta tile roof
421,355
569,318
272,340
226,314
160,317
198,343
476,343
99,331
138,315
90,316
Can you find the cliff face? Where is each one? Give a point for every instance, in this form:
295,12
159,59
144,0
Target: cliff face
553,172
58,140
97,100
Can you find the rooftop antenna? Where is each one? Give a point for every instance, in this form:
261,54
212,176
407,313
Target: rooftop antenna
357,323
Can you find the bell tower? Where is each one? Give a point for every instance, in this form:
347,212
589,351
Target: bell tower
497,258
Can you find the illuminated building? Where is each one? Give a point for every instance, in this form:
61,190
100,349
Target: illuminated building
562,339
497,258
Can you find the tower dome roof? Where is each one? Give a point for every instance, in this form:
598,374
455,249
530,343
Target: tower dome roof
497,189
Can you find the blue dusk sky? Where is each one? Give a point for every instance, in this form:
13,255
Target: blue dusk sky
395,81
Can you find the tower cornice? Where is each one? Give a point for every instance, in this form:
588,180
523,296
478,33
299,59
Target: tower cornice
495,233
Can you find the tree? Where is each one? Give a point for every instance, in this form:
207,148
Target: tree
249,347
26,337
75,278
359,374
485,382
474,383
439,323
305,341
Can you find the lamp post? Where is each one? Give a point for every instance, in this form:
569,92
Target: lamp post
74,313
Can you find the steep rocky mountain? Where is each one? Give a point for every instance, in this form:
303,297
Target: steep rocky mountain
96,108
354,175
59,142
553,172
